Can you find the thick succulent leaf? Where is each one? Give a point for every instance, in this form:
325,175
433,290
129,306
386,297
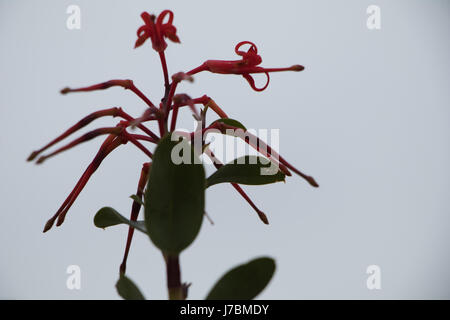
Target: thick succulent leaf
250,170
127,289
175,196
107,217
244,282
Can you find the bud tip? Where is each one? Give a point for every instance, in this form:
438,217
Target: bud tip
65,90
40,160
297,67
263,217
60,220
313,182
32,156
48,225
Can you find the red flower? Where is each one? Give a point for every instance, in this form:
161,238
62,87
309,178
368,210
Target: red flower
157,31
246,66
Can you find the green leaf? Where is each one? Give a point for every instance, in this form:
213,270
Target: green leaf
175,196
232,122
246,170
244,282
107,217
128,290
137,199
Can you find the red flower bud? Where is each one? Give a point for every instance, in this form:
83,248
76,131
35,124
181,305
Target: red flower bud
246,66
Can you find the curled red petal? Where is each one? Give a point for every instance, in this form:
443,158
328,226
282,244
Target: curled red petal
140,41
162,15
253,47
148,18
251,81
169,31
142,29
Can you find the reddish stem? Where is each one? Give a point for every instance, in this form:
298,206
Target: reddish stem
135,208
173,121
162,57
133,140
217,163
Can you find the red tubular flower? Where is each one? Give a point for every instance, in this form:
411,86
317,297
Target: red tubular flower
267,151
126,84
157,30
114,112
135,208
246,66
85,137
262,216
112,142
116,136
107,147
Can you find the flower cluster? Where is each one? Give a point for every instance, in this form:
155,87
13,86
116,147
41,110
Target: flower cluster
158,29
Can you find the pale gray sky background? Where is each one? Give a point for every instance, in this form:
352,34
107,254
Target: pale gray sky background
368,118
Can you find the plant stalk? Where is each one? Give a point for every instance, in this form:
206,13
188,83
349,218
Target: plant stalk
175,288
